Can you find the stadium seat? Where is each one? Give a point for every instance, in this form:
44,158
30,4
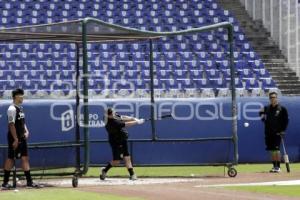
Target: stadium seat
268,84
213,74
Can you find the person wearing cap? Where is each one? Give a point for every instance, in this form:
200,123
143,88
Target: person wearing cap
17,140
117,135
276,120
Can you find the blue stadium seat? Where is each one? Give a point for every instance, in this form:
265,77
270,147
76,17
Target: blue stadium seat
130,74
268,84
170,84
66,74
218,83
241,64
114,74
50,75
196,74
252,84
213,74
186,84
219,56
256,64
238,83
145,74
180,74
202,83
262,73
163,74
6,75
158,84
246,74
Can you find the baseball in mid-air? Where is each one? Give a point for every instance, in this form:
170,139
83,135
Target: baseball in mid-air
246,124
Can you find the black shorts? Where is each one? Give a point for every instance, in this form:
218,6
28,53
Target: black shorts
273,143
22,150
119,151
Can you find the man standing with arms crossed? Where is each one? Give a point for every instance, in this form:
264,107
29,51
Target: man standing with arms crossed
118,135
17,140
275,118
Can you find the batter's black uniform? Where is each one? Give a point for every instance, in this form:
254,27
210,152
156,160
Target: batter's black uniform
118,136
276,121
18,118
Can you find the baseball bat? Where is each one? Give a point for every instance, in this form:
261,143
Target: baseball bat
161,117
285,155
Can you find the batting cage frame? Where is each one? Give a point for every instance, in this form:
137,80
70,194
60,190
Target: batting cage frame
83,31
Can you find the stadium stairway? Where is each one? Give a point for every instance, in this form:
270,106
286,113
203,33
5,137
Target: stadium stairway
274,61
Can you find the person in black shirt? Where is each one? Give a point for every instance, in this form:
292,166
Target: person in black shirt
275,118
117,137
17,140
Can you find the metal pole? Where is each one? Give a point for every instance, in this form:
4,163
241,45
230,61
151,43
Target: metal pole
297,38
264,13
233,96
280,25
288,32
254,9
77,117
85,98
152,91
272,18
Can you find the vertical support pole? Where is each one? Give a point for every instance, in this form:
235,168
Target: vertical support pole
254,9
288,31
272,18
264,13
233,96
297,38
77,113
86,97
280,25
152,91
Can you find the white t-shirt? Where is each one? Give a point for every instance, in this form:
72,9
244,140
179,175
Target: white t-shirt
11,114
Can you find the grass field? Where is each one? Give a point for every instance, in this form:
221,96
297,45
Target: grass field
187,171
181,171
291,191
176,171
59,194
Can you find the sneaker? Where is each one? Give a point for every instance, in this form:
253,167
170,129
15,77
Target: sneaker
6,186
277,170
133,177
33,185
102,175
272,170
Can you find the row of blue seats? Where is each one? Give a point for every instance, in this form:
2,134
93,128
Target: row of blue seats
133,74
134,84
174,14
130,65
123,57
108,5
168,48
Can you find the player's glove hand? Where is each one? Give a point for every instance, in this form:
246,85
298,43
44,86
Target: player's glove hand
140,121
